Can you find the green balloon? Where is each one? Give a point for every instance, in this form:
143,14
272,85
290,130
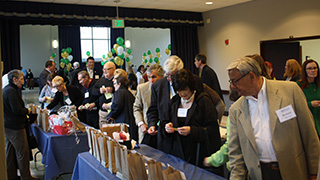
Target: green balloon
113,51
66,61
112,60
129,51
120,41
150,60
144,54
127,59
103,56
102,63
53,55
63,50
66,71
156,59
88,53
149,52
62,60
121,56
158,50
145,60
69,50
169,47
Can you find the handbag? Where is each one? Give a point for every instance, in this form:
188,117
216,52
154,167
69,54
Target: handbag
32,141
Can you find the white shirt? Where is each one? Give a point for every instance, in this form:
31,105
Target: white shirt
90,71
172,92
259,113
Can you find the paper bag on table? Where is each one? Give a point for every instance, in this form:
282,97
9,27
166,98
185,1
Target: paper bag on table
111,128
103,150
111,158
97,135
154,170
92,132
137,167
44,120
171,173
117,158
124,163
88,130
38,111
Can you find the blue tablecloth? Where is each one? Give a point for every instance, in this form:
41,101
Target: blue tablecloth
87,167
59,152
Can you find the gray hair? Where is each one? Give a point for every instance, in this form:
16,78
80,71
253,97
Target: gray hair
173,63
76,64
14,74
245,65
156,67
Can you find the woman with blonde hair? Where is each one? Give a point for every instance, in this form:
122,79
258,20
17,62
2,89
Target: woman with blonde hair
292,70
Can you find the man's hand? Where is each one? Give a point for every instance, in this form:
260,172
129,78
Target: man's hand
105,106
103,90
91,106
315,103
144,128
152,130
109,89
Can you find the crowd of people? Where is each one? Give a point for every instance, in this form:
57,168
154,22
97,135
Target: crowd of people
273,128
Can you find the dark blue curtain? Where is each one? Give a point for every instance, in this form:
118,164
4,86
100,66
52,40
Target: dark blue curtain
10,45
69,36
184,43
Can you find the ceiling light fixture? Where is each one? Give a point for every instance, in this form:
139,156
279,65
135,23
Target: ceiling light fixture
209,2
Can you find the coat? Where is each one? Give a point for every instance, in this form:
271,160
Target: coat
295,141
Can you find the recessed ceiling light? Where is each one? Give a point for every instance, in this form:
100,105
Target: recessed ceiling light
209,2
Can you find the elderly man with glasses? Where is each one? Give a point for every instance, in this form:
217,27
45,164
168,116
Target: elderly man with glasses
272,134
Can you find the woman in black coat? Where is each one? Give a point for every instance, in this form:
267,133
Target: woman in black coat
122,103
66,95
192,122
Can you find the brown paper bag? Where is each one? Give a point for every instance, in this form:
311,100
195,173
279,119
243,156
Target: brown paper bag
88,130
171,173
110,128
44,120
94,142
117,158
39,111
103,150
112,164
97,135
137,167
154,170
124,163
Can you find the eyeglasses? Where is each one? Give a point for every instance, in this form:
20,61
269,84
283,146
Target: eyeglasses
311,68
235,82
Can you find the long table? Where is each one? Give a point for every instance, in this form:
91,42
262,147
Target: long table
88,167
59,152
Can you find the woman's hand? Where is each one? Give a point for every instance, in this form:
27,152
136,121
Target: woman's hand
184,131
44,98
206,162
105,106
315,103
169,128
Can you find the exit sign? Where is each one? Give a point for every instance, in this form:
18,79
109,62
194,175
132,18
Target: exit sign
118,23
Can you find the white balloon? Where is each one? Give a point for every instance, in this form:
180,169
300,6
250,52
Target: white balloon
120,50
70,57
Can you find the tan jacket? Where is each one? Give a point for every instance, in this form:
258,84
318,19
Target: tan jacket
295,141
141,105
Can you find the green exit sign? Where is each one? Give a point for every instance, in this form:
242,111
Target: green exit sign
118,23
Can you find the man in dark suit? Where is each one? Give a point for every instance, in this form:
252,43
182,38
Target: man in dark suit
161,94
74,75
93,72
208,76
49,68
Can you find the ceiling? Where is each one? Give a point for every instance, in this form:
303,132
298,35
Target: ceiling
179,5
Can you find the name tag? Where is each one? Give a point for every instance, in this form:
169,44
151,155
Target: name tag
68,101
96,76
86,95
286,113
182,112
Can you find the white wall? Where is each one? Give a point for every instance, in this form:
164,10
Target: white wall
311,48
36,46
247,24
144,39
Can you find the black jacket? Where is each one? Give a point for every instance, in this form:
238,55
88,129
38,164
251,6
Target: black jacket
122,110
75,96
160,105
202,118
43,79
209,77
14,109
